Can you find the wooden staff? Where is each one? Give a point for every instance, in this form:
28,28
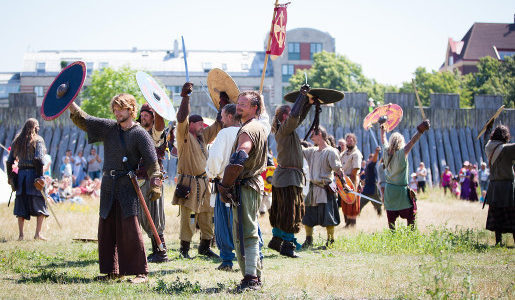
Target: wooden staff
267,49
418,99
132,176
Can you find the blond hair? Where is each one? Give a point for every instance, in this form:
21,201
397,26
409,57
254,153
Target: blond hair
125,101
396,142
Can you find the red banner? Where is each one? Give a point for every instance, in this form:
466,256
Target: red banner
278,33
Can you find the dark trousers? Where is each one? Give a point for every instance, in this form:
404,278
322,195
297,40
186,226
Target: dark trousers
421,185
120,244
407,214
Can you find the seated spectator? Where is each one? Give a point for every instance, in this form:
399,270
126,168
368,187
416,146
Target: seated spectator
66,193
53,192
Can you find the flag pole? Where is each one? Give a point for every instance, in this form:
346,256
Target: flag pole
267,49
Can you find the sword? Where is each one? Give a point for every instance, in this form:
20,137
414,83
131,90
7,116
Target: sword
50,208
363,196
9,203
4,148
132,176
373,136
185,60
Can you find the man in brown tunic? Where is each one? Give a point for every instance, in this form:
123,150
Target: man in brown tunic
287,208
154,124
242,186
351,161
120,244
192,191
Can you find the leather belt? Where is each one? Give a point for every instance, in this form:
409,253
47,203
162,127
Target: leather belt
115,173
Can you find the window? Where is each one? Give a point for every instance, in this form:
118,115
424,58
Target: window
287,72
503,54
451,60
103,65
174,89
39,90
224,67
207,66
315,48
40,67
89,67
293,51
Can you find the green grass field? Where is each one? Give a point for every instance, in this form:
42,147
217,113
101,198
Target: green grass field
450,255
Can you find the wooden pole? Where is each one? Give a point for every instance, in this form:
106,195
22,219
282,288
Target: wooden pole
267,49
418,99
132,176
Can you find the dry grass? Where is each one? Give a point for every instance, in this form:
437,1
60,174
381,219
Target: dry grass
61,268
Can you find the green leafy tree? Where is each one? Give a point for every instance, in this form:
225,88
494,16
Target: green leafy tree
494,77
438,82
334,71
96,98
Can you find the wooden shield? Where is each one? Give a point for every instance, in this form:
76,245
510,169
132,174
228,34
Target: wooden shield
63,90
393,112
218,81
326,96
346,197
155,96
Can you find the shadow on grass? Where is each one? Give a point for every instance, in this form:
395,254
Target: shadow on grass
166,272
70,264
186,287
54,277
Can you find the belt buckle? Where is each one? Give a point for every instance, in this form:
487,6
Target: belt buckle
111,173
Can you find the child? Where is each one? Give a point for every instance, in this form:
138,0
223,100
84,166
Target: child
413,182
455,187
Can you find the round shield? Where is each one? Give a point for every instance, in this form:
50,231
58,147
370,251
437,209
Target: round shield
155,96
326,96
63,90
218,81
346,197
393,113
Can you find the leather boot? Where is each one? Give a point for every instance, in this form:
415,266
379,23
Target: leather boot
159,256
154,250
275,243
185,248
288,249
308,243
205,249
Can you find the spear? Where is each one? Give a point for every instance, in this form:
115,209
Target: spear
267,49
418,99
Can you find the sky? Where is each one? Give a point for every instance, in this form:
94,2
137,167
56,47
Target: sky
389,39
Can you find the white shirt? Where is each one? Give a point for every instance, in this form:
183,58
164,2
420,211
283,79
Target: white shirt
220,152
265,120
421,174
80,162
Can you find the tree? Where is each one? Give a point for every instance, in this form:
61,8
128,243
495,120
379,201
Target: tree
334,71
104,85
438,82
494,77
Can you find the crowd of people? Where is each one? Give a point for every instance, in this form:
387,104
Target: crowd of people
225,162
465,184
